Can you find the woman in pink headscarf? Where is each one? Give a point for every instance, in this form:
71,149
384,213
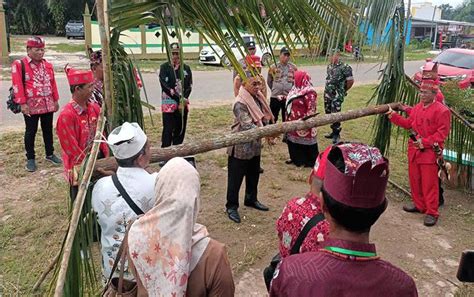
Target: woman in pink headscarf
170,254
301,102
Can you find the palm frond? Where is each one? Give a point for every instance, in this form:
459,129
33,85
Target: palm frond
394,85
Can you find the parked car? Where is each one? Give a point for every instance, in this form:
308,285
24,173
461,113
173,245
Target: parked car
74,29
454,64
215,56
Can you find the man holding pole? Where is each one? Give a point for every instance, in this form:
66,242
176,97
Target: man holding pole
429,123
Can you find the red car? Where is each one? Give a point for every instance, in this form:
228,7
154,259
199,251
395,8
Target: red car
454,64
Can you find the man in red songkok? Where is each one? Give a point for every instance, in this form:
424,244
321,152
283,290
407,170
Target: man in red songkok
429,123
35,89
347,264
77,124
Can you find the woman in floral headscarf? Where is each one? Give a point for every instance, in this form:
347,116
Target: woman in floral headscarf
169,253
301,102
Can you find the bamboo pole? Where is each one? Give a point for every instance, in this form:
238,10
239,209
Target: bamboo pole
400,188
46,272
77,206
104,41
461,118
202,146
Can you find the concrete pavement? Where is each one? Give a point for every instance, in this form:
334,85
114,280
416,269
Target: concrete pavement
210,87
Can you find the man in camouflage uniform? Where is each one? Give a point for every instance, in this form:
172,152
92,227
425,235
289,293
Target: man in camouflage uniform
338,81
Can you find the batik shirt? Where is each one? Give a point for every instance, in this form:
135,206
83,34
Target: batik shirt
97,94
328,274
303,105
337,75
113,213
39,90
172,86
76,129
297,212
242,122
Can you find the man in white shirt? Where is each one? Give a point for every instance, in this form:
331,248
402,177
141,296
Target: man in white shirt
132,153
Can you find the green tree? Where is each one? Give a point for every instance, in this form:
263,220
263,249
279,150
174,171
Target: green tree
29,17
465,12
446,11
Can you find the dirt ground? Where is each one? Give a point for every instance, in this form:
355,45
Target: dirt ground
33,215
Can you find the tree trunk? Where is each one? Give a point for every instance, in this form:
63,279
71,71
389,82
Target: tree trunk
206,145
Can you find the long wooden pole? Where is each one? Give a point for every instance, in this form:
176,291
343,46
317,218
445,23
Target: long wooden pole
106,62
205,145
46,272
77,206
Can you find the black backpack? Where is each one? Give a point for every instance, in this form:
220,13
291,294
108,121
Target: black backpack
11,104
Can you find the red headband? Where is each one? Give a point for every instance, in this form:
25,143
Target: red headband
35,41
78,77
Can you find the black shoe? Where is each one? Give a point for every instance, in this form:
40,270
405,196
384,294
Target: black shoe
410,208
329,135
30,165
53,159
261,170
289,161
441,201
430,220
233,215
257,205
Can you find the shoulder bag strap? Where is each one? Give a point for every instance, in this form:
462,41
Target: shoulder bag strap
295,249
23,72
125,196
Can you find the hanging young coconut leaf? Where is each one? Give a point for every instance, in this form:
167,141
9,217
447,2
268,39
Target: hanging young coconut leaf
395,86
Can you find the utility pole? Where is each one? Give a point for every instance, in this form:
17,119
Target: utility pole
3,33
436,29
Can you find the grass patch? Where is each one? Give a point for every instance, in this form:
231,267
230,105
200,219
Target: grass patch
67,47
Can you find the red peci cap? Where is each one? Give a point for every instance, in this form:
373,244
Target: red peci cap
253,61
365,176
36,42
430,71
78,77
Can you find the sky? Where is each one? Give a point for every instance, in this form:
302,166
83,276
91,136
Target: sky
453,3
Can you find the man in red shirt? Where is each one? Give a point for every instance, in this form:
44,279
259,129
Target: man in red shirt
429,123
35,90
77,124
353,198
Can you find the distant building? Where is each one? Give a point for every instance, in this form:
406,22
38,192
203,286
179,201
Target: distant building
425,10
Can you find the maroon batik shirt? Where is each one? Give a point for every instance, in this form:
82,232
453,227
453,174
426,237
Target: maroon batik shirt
328,274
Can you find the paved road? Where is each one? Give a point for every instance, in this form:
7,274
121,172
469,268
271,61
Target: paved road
209,87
